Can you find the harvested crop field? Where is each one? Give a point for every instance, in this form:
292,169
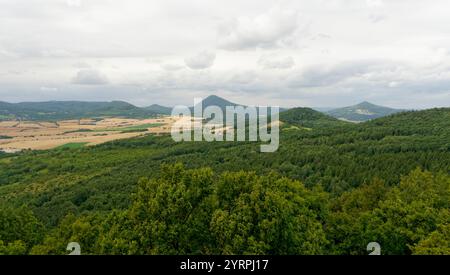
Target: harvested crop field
20,135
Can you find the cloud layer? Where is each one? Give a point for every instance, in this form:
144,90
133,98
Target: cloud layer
276,62
266,30
289,52
201,60
89,77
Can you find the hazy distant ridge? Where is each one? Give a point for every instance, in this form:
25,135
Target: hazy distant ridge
363,111
58,110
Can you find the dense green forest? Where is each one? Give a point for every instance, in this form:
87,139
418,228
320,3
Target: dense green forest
331,188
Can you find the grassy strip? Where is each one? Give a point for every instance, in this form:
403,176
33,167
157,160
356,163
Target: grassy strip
131,128
72,145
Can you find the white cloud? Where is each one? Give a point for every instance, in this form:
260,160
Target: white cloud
377,17
374,3
171,67
201,60
81,65
73,3
393,84
270,29
272,61
90,77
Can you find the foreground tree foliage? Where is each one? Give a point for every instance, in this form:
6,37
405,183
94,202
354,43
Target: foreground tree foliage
437,243
19,230
196,212
399,218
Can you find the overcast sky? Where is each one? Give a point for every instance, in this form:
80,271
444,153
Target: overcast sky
321,53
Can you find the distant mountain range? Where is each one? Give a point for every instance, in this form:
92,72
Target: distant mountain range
363,111
211,100
60,110
222,103
159,109
214,100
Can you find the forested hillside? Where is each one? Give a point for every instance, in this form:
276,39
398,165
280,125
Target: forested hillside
331,188
309,118
60,110
159,109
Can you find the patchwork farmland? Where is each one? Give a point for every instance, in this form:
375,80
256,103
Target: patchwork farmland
21,135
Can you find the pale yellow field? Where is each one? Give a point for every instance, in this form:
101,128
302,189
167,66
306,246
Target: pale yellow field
48,135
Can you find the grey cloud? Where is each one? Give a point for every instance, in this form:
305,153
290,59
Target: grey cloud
90,77
346,83
48,89
343,84
201,60
243,77
320,76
